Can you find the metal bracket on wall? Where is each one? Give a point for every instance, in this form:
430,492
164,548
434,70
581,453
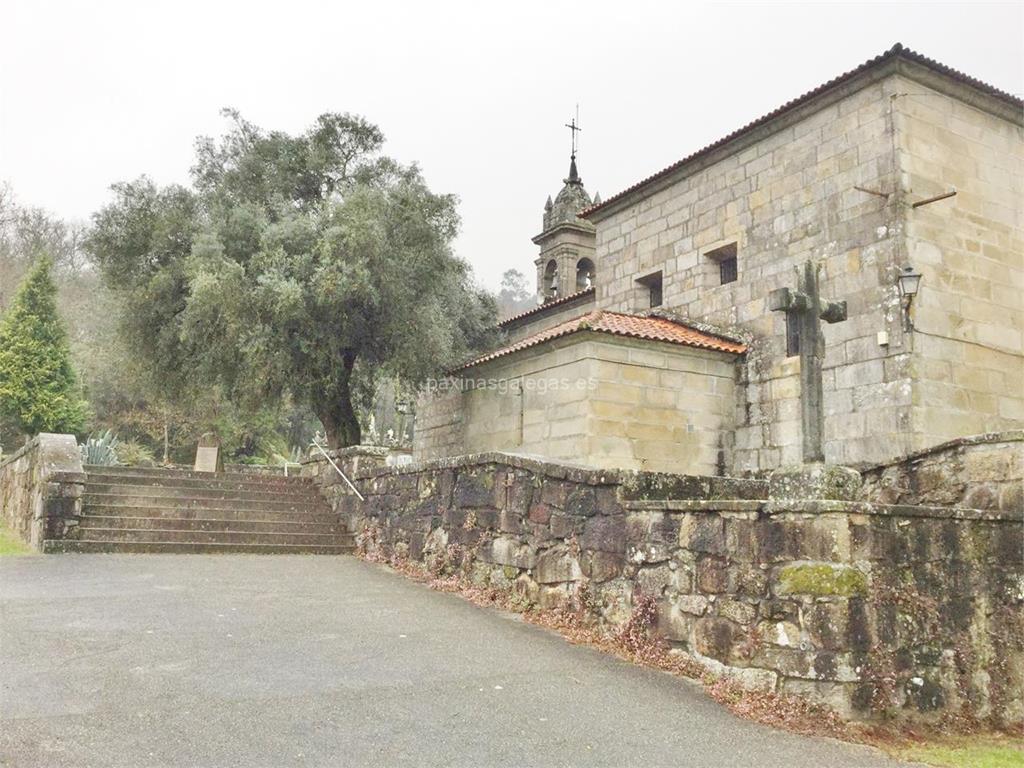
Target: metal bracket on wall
935,199
876,192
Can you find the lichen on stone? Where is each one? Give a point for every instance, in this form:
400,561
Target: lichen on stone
822,580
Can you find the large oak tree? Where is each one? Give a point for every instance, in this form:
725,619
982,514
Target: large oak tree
305,264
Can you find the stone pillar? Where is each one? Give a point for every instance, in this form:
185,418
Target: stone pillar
41,489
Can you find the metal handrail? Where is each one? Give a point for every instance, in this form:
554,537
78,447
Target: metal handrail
337,469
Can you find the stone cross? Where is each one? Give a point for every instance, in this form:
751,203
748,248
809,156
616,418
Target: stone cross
806,307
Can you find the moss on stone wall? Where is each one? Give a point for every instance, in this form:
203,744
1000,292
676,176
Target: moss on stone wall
822,580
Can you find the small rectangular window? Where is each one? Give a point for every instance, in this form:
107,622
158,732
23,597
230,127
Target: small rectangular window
652,284
728,266
792,334
727,270
656,294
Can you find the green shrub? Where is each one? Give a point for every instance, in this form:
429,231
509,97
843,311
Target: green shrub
135,454
250,460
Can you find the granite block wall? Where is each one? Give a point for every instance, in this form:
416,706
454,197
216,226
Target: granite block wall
591,399
787,197
968,339
913,610
41,488
979,472
836,181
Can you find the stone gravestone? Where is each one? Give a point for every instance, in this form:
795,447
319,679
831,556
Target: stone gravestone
208,456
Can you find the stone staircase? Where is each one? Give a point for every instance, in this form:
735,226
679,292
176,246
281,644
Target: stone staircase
136,509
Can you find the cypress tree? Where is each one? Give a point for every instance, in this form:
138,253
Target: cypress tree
38,391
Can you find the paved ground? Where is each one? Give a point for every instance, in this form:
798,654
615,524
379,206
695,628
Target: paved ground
235,660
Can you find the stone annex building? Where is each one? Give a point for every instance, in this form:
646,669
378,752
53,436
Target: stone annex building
666,340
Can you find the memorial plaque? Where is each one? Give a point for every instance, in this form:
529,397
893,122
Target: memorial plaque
208,458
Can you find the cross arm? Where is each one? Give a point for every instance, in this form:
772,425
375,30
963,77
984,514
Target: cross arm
833,311
785,300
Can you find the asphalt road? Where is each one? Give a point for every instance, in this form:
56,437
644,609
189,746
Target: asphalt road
236,660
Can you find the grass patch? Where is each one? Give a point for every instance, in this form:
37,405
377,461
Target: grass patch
982,751
10,544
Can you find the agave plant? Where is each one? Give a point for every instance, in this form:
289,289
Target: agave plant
100,451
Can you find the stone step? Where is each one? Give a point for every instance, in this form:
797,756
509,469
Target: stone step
90,521
178,512
303,496
188,474
187,547
219,482
143,509
134,536
193,502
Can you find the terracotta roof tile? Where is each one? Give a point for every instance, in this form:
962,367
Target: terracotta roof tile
618,324
541,308
896,51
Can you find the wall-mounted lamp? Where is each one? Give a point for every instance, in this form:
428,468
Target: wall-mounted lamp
908,281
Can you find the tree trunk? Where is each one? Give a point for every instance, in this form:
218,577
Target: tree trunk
335,411
167,442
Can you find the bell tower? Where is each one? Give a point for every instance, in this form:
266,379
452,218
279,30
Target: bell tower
567,243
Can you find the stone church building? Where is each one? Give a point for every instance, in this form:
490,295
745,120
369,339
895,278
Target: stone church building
841,279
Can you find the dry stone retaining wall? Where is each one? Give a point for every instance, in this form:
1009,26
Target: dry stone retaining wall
41,488
980,472
865,605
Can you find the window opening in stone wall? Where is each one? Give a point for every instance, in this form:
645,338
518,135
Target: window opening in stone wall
728,265
584,274
550,285
727,270
652,284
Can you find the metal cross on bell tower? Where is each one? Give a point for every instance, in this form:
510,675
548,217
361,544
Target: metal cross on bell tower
806,308
574,128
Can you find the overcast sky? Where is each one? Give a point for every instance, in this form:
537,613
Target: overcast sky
477,93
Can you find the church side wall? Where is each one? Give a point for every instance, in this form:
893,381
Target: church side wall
968,337
533,403
438,426
590,399
786,197
661,407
